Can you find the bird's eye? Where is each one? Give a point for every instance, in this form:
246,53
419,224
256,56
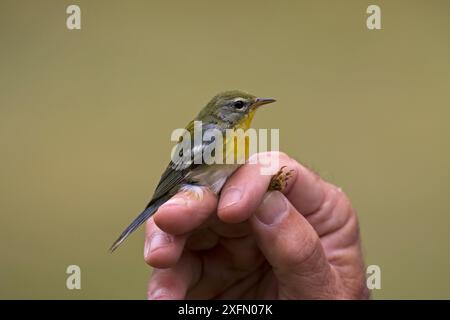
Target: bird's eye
238,104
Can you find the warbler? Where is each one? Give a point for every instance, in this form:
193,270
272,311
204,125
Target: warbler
228,110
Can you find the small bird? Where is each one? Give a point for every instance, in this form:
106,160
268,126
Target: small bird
228,110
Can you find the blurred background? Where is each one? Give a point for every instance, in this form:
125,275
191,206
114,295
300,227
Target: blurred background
86,117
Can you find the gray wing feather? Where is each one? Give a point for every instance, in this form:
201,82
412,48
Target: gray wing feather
175,175
176,172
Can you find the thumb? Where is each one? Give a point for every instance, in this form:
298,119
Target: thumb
293,249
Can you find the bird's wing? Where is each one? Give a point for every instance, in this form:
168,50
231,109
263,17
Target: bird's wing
171,180
175,173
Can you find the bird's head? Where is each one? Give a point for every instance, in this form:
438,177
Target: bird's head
233,107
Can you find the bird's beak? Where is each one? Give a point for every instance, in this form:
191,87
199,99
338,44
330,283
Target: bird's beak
261,101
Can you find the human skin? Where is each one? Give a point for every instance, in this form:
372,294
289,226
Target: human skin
300,243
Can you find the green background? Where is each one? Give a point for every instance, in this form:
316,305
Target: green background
86,118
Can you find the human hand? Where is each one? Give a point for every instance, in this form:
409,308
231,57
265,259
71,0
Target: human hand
301,243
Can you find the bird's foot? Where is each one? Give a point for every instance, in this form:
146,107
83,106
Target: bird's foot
280,179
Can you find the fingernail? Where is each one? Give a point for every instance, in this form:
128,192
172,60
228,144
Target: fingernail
272,209
175,201
157,241
230,197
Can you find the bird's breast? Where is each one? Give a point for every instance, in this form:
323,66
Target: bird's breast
213,176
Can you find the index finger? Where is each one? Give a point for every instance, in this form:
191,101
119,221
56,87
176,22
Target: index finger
244,191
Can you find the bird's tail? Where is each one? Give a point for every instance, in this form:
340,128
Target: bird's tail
140,219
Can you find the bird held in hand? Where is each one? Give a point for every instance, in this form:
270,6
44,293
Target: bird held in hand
227,110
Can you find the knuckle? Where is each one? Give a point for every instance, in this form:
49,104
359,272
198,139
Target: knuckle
303,252
344,205
309,252
283,157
